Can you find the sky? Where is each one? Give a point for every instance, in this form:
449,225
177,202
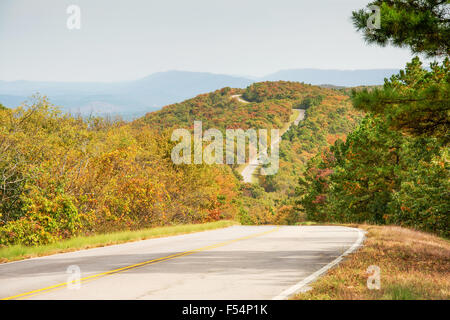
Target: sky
130,39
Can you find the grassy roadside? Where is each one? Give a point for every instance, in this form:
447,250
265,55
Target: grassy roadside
414,265
20,252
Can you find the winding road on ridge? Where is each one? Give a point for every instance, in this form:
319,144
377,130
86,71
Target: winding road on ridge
254,163
239,262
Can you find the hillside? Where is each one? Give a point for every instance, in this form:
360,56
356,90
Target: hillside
325,122
220,110
132,99
129,170
65,175
270,106
329,116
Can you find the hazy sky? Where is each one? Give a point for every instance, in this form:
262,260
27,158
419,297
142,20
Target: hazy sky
129,39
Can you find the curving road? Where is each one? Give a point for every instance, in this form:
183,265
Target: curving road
255,163
240,262
238,97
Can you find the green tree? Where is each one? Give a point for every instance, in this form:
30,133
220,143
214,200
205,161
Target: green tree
421,25
354,182
394,167
416,100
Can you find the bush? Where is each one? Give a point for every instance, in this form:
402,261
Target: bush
45,220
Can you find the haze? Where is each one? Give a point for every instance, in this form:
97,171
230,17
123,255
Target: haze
126,40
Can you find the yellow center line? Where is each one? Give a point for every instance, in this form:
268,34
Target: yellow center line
137,265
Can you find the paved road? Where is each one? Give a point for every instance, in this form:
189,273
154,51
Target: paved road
300,117
255,163
239,262
238,97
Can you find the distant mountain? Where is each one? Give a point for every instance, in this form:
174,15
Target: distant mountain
131,99
347,78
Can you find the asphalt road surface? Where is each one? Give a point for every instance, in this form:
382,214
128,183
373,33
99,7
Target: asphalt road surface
239,262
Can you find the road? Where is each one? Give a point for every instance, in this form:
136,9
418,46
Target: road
255,163
239,262
300,117
238,97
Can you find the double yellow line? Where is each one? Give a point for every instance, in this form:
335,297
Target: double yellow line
141,264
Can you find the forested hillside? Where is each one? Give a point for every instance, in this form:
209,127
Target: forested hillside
328,119
329,116
220,110
270,106
62,175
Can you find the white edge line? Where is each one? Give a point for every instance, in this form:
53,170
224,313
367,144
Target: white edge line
300,285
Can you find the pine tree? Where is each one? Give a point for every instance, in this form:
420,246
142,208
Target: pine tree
421,25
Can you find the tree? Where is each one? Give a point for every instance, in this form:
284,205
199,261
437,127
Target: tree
394,167
415,101
421,25
353,182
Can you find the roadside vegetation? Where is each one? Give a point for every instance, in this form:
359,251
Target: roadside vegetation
19,252
64,176
385,175
413,266
394,167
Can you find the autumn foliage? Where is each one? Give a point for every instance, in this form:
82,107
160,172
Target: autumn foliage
62,175
220,110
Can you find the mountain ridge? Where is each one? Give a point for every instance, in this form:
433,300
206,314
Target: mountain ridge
131,99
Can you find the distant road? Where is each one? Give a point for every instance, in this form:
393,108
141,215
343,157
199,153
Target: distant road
249,170
300,117
240,262
238,97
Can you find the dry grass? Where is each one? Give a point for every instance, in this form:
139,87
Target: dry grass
414,265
